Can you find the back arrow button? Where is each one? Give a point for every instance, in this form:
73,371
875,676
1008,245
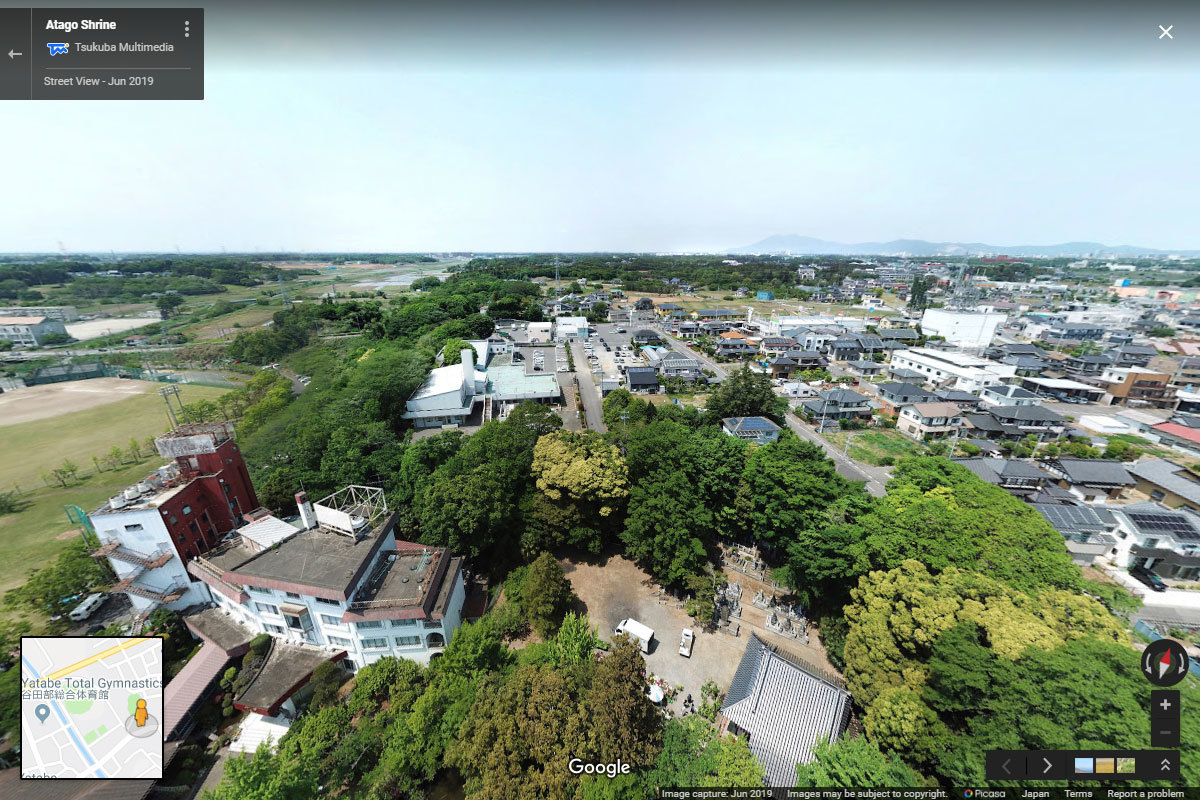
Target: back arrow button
13,55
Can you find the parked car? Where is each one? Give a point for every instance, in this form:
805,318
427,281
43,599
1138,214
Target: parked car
1147,577
686,640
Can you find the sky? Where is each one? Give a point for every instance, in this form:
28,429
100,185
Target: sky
647,127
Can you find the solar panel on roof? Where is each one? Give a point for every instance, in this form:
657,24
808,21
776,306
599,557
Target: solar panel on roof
1178,526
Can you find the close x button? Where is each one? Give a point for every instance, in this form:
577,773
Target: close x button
1005,765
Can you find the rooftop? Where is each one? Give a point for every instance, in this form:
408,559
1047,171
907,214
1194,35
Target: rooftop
1181,431
1170,476
750,424
1153,519
513,383
441,380
287,668
1093,471
21,320
327,564
786,706
937,409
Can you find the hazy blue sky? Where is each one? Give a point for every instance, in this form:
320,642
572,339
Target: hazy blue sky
373,131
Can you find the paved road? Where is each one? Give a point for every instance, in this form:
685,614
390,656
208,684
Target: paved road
875,477
588,390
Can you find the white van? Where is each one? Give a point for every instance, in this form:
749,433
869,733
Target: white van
636,631
87,607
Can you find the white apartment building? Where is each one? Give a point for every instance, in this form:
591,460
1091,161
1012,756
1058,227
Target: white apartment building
951,370
965,328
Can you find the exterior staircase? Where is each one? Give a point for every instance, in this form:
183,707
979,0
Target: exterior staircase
114,549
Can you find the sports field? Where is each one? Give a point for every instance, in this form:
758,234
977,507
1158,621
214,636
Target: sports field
74,420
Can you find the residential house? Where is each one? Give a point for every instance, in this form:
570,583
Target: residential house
776,345
1090,364
1182,437
705,314
1134,355
735,348
1013,423
1016,476
1089,531
785,707
1166,482
665,309
1165,541
641,379
715,327
1005,395
964,400
924,421
679,365
646,336
907,336
905,375
894,395
865,369
687,330
1092,480
1056,332
1026,365
753,429
783,367
837,404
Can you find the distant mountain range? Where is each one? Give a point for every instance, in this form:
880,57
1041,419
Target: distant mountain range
807,245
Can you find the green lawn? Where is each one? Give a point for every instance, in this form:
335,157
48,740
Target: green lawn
43,444
29,537
872,447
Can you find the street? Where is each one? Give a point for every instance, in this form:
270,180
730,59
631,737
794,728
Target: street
589,392
848,468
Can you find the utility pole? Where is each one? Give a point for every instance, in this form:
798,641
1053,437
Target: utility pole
283,291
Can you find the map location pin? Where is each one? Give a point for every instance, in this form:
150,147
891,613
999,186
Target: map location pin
42,712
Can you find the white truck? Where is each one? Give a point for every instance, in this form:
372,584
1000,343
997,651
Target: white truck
636,631
87,607
686,640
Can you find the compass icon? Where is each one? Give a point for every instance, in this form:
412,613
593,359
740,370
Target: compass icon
1164,662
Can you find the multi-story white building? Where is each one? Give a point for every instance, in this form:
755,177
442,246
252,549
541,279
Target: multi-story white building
950,370
342,581
965,328
151,530
571,328
30,331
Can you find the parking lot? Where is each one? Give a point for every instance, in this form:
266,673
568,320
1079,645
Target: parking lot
616,589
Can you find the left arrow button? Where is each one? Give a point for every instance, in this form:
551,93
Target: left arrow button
12,54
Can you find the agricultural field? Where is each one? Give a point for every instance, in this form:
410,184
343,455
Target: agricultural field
874,447
76,425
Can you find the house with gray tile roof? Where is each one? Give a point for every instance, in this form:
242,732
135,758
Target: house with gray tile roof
1092,480
1169,483
785,706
